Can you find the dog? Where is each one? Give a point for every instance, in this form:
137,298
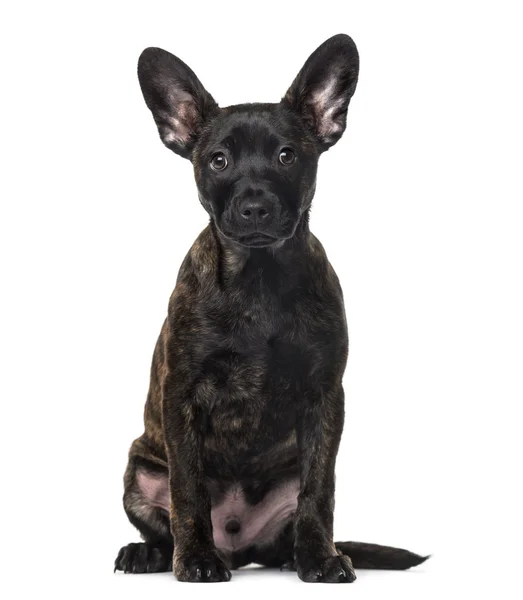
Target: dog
245,408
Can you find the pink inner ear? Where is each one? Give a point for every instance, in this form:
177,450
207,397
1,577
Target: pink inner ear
325,102
182,119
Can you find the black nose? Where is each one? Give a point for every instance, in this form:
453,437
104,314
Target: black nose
232,526
254,210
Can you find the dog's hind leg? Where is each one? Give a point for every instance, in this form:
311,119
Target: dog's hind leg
144,557
146,502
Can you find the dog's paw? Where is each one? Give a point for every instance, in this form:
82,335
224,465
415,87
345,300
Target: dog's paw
143,558
208,568
333,569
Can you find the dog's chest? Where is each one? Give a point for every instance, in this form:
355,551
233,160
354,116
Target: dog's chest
246,404
247,381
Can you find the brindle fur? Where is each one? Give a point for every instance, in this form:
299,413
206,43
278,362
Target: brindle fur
246,377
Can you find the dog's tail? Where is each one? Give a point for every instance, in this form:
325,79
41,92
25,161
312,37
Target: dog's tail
373,556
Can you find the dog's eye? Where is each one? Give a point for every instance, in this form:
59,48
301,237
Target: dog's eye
287,156
219,161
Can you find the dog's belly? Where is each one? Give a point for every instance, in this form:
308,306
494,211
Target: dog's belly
237,524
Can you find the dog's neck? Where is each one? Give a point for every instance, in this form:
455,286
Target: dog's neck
286,256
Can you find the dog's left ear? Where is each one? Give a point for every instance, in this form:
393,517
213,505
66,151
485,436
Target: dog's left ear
322,90
179,102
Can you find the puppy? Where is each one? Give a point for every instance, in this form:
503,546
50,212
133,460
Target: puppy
245,408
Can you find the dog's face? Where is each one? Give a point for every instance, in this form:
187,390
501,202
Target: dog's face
255,164
255,169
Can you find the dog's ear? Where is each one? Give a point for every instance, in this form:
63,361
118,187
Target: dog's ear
179,102
322,90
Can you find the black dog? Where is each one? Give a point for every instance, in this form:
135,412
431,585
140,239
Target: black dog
245,408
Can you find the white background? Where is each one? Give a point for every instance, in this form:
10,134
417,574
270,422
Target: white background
419,209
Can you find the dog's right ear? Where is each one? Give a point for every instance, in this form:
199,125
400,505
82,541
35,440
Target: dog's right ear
179,102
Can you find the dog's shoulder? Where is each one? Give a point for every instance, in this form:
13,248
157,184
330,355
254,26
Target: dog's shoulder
198,269
202,259
321,271
203,254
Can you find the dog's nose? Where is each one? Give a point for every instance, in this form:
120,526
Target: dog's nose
254,210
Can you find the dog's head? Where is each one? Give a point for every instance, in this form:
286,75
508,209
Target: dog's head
255,164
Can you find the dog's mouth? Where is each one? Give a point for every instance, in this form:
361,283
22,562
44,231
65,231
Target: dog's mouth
267,237
257,240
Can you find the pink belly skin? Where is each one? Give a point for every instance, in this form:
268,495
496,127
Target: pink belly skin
259,524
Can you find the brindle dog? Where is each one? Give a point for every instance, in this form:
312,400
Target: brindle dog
245,408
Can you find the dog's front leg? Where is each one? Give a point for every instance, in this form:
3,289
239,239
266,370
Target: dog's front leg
319,427
195,556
